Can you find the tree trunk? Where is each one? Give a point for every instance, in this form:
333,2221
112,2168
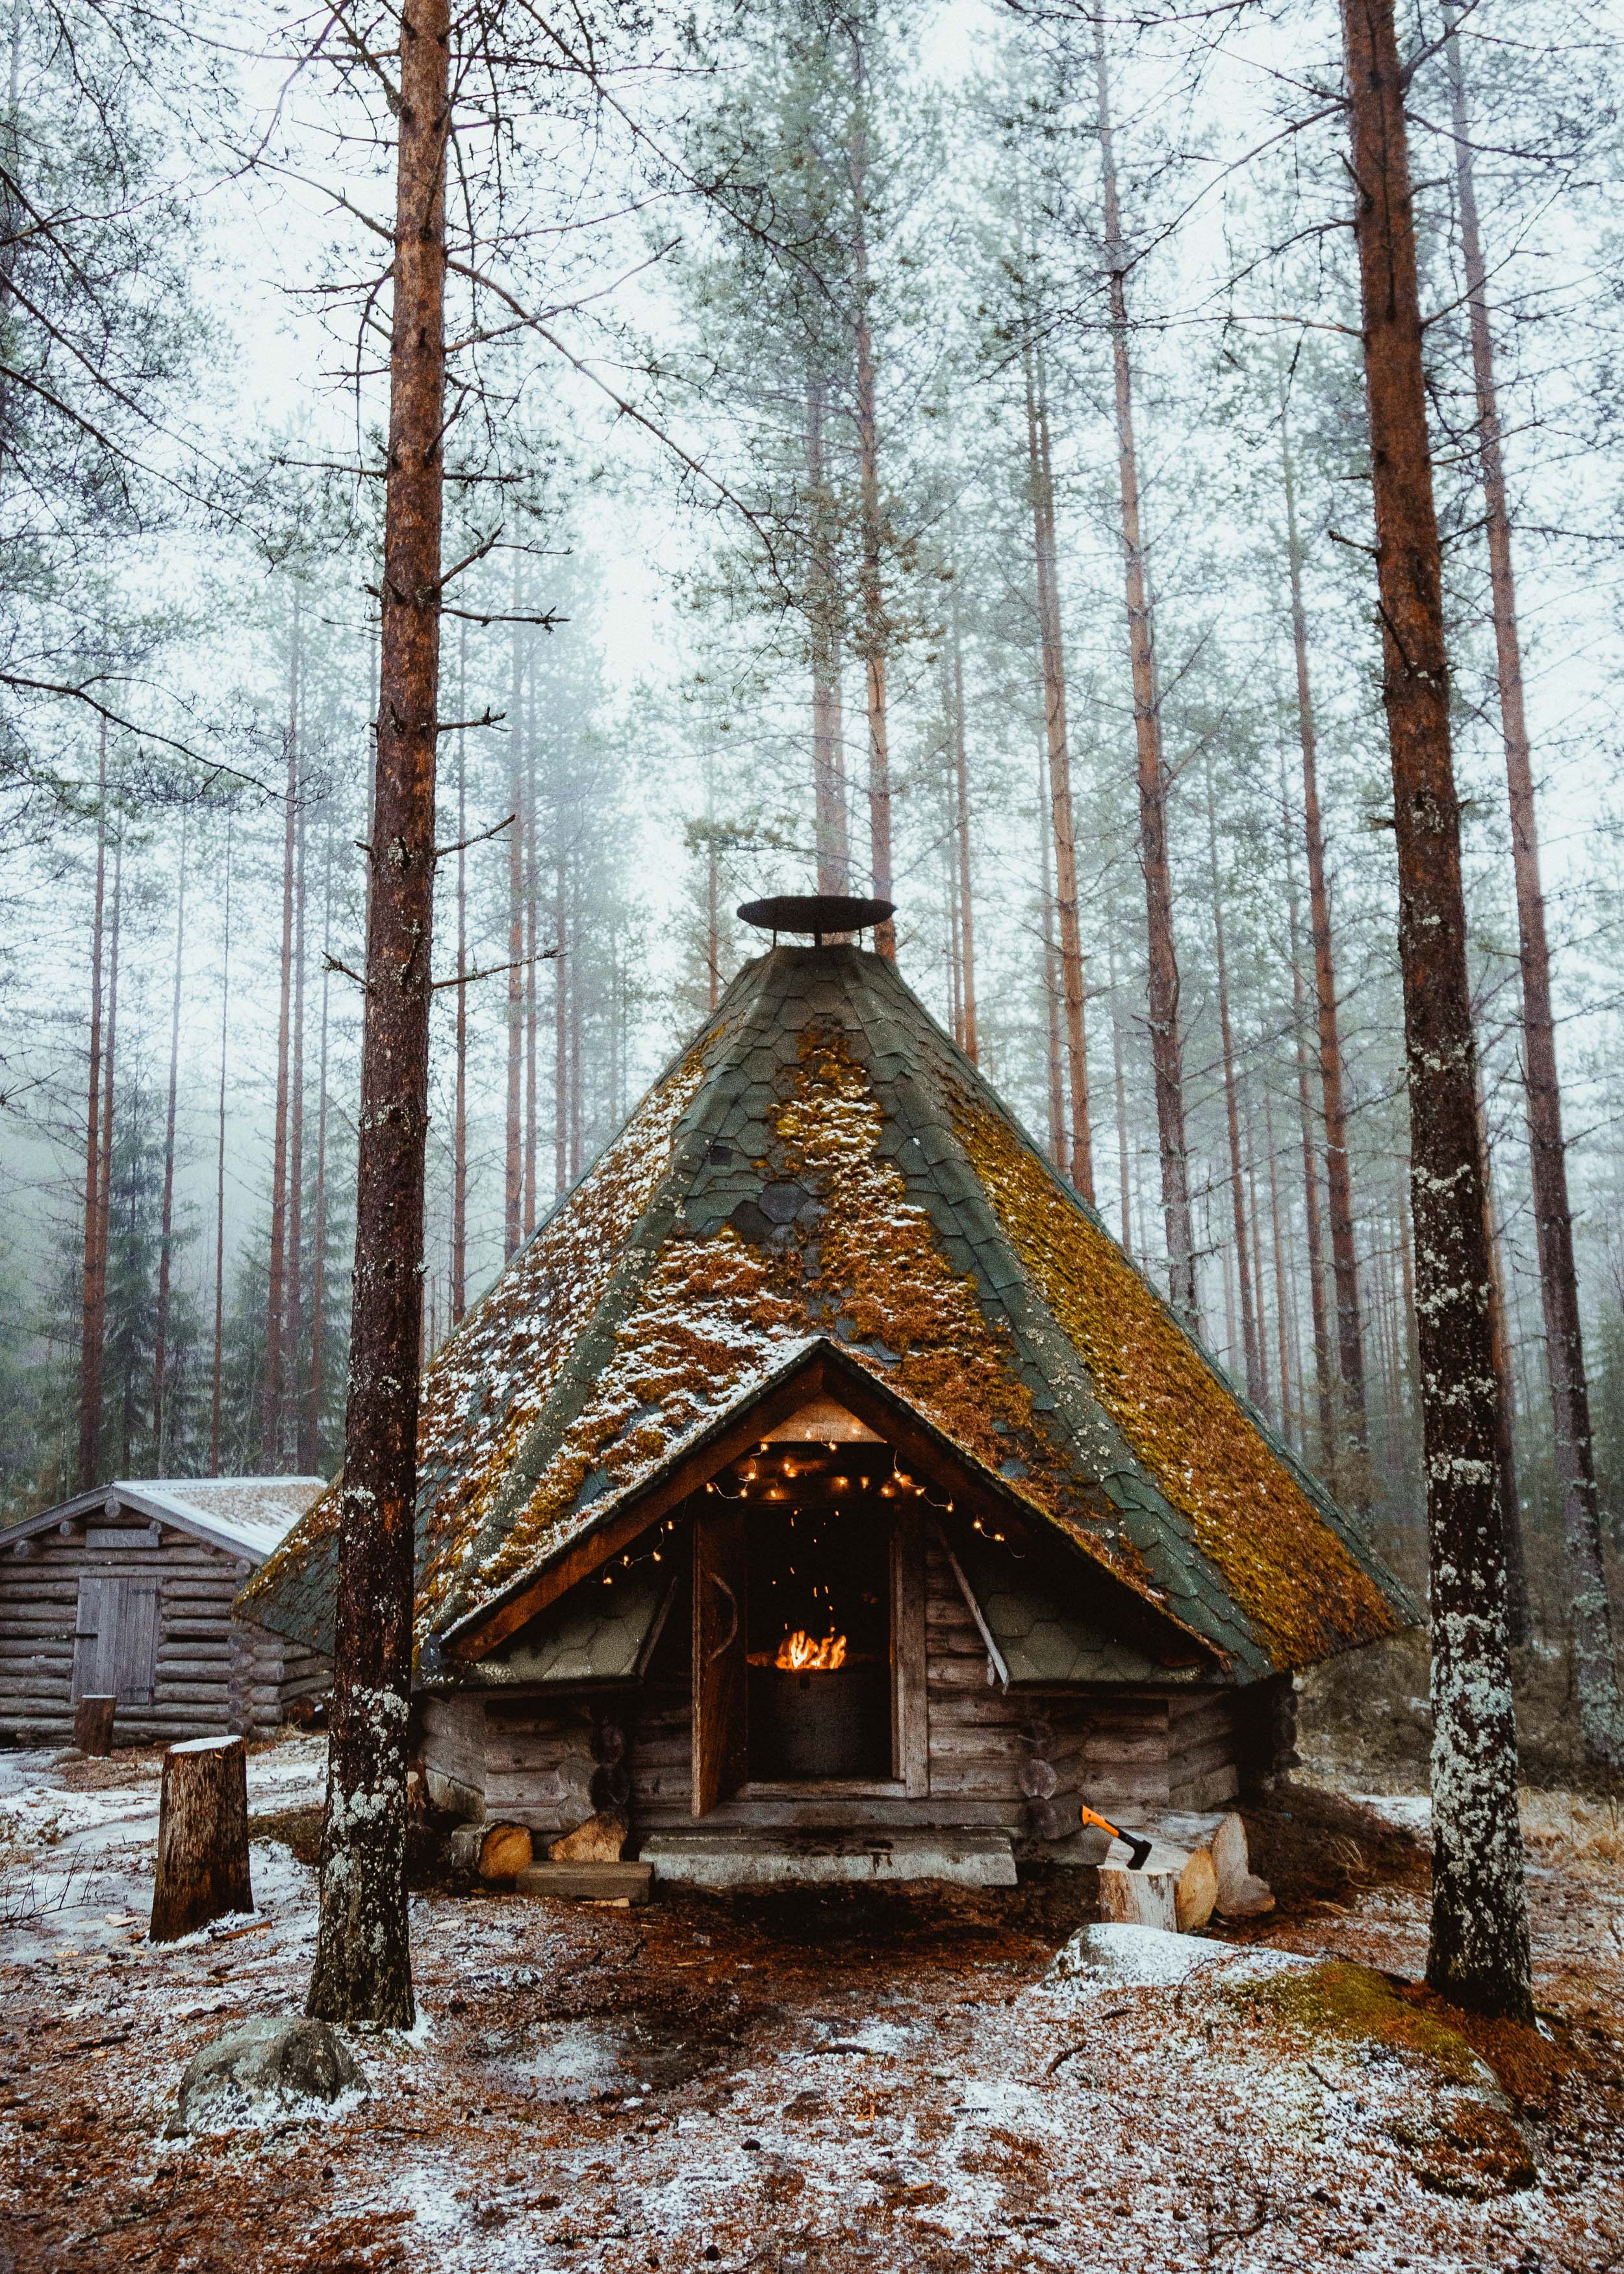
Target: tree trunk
1250,1155
310,1431
1505,1444
1167,1055
1057,1151
1232,1115
578,998
1595,1664
834,859
563,983
513,1214
219,1175
1119,1086
713,894
93,1326
1479,1952
876,638
961,805
160,1324
201,1869
1291,1387
109,1069
1051,648
1313,1239
275,1298
363,1970
1353,1482
293,1341
533,984
459,1123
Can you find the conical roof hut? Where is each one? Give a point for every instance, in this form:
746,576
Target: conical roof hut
822,1258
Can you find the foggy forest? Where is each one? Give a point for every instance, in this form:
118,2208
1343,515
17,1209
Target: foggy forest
897,450
811,1135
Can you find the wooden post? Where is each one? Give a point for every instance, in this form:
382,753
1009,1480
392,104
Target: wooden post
92,1726
202,1866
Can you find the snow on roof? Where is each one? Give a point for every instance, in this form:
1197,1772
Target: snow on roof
247,1516
823,1163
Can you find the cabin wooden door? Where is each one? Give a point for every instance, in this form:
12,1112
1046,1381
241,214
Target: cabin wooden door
116,1640
721,1746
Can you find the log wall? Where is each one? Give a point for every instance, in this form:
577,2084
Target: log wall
210,1674
1018,1761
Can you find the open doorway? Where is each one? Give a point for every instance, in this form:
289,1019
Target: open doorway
819,1642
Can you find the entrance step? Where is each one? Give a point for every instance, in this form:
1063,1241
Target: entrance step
587,1883
728,1857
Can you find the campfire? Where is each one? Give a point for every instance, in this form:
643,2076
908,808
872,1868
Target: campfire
798,1653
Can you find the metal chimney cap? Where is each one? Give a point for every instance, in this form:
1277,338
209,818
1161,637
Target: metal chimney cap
818,913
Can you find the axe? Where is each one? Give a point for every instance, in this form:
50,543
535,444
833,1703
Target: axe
1138,1850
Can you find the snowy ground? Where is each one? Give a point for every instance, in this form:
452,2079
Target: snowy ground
817,2084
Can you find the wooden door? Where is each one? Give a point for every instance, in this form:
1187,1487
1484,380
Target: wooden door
721,1737
116,1640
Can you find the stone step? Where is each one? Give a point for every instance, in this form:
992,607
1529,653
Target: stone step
734,1859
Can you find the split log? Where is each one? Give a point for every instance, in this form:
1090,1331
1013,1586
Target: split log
92,1726
495,1851
601,1839
1241,1893
1197,1892
202,1865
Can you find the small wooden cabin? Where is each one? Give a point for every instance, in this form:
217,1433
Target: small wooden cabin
822,1470
126,1590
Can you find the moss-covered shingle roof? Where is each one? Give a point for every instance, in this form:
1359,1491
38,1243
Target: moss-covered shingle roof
824,1164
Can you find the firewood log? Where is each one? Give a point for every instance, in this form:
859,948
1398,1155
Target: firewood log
1196,1892
601,1839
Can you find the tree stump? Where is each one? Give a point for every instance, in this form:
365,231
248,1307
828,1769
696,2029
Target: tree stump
92,1726
202,1868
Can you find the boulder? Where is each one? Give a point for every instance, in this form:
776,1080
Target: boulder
257,2071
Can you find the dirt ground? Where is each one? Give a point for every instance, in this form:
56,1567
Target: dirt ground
869,2082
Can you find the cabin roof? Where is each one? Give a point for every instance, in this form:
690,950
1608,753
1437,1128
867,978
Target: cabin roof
823,1166
245,1516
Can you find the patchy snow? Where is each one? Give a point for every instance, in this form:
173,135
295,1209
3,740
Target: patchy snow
799,2084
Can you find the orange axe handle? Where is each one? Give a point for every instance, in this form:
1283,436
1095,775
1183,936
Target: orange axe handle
1138,1850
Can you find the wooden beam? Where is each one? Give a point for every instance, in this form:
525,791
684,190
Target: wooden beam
721,1610
910,1694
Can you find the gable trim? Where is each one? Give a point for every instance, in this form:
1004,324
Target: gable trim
820,1368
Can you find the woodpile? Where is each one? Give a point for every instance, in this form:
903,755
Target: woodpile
1198,1866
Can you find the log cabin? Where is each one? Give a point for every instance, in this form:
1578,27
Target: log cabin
823,1478
126,1591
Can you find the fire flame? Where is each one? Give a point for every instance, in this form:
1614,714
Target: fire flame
798,1652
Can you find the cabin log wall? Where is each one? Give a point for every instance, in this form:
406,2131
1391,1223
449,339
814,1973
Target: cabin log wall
212,1674
1018,1761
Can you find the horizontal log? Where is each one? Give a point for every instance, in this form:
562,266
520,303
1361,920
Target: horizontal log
1110,1785
1199,1760
965,1740
1211,1791
839,1816
977,1780
960,1674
